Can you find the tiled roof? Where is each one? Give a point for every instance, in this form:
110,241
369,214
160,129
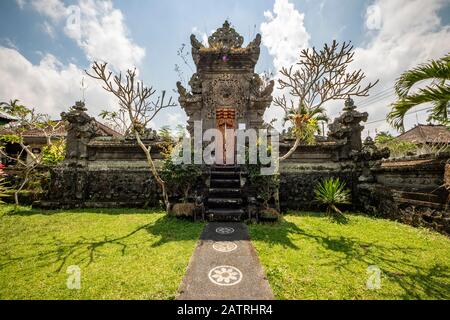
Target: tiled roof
427,134
5,116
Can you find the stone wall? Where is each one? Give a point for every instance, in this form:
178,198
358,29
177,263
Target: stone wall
411,190
306,168
111,187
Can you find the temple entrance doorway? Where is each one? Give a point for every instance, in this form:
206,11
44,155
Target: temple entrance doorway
226,123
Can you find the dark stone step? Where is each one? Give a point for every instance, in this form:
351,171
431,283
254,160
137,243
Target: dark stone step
228,168
225,191
225,174
227,183
427,197
225,214
224,202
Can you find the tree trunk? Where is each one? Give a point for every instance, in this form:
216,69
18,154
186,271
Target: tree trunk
154,171
292,150
16,194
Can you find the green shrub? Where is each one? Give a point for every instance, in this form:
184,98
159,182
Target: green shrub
332,192
266,186
180,178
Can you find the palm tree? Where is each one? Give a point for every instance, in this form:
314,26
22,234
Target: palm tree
437,93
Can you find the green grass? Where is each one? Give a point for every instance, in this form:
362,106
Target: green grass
307,256
122,254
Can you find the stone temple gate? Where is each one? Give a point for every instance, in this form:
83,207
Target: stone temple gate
226,93
225,90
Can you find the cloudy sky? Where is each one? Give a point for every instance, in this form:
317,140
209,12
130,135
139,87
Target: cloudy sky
44,47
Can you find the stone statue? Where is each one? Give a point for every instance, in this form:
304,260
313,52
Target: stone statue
81,128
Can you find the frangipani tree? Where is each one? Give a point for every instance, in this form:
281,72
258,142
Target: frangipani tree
137,102
26,160
317,78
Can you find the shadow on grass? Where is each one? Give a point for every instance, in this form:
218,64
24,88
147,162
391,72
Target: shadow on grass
345,251
87,250
115,211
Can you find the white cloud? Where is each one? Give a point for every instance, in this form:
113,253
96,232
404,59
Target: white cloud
400,34
284,35
97,27
105,37
410,33
50,86
7,42
48,29
175,118
54,9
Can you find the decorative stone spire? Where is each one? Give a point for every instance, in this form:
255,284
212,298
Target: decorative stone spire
81,128
226,38
346,128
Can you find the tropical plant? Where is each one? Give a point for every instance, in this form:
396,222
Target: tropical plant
437,93
332,192
398,148
317,78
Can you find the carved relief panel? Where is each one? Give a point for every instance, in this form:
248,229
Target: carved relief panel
226,90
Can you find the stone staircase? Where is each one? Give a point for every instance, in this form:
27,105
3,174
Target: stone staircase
225,197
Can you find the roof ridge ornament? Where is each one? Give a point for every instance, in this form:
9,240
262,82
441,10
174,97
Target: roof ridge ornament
226,37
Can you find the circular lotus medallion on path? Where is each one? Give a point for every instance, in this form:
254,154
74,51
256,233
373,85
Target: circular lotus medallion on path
225,275
224,246
224,230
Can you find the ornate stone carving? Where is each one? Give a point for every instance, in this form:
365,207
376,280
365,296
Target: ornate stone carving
369,157
225,78
81,128
226,38
195,83
346,128
370,152
184,94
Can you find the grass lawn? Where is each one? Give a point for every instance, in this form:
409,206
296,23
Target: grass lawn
307,256
122,254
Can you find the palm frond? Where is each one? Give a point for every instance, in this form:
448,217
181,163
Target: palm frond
440,111
435,69
437,93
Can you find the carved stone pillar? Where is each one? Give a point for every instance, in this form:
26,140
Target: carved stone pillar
347,129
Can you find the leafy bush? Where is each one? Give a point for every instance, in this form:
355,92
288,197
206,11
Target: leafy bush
332,192
55,153
266,186
398,148
180,178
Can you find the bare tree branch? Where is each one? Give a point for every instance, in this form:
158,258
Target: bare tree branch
135,100
318,77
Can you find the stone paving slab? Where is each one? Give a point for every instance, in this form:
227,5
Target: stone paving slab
224,266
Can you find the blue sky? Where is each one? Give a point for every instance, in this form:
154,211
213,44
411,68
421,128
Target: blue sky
160,27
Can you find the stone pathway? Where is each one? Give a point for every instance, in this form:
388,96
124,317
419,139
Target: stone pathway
224,266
